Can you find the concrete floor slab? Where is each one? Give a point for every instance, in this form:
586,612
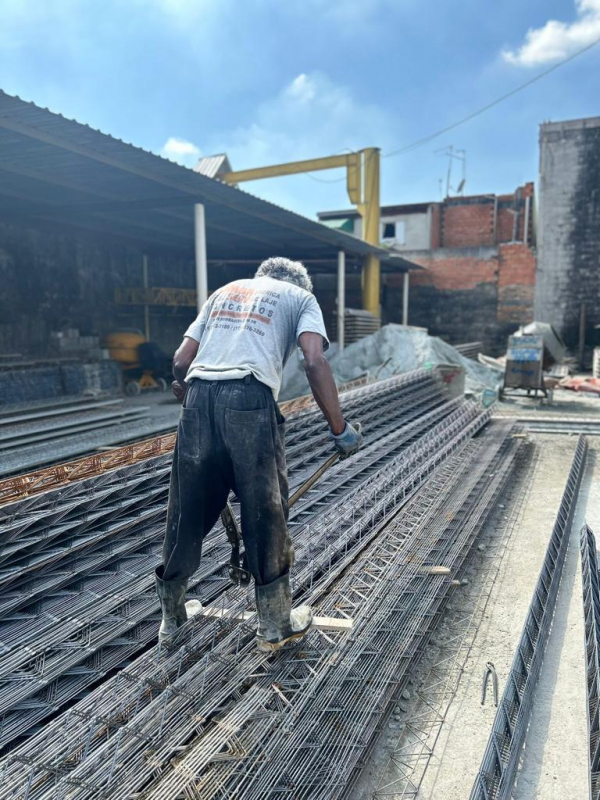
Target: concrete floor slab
554,763
555,759
465,736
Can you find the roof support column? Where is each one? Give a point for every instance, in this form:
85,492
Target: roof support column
146,306
370,221
341,298
200,251
405,286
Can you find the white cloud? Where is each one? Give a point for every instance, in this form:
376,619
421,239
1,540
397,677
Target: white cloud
309,117
556,40
181,151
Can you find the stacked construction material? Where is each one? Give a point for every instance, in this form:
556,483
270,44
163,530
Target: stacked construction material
591,610
31,380
469,349
105,712
499,766
309,739
50,432
18,487
358,323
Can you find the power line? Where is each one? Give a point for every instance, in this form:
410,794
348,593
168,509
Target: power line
331,180
498,100
325,180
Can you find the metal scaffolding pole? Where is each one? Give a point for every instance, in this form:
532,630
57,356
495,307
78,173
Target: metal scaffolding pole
341,298
200,251
146,306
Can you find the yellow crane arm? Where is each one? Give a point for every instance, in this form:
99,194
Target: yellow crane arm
363,193
352,162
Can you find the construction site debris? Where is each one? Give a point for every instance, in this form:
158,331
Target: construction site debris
470,349
393,350
582,384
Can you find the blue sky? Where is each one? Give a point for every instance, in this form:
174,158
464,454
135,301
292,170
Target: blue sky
269,81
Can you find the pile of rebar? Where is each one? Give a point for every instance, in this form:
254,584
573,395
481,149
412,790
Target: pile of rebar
497,773
92,707
49,432
470,349
591,610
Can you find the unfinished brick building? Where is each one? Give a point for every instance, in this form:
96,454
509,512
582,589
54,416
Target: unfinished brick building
479,252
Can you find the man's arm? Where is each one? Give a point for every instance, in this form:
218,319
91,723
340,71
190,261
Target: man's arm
182,360
321,380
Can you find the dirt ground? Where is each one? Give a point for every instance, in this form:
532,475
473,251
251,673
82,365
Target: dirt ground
555,763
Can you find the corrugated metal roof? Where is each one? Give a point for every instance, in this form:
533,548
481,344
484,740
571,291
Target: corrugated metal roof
213,166
60,171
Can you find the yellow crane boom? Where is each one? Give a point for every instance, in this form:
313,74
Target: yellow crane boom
362,183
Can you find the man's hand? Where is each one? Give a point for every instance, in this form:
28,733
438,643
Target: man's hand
185,354
179,390
348,442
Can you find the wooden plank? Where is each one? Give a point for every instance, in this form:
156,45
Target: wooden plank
435,570
320,623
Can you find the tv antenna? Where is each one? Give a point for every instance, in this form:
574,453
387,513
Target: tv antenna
452,156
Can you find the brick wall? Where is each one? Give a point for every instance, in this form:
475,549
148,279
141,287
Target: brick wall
467,224
484,220
480,275
468,294
516,283
480,269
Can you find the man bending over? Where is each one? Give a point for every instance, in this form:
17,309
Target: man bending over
231,437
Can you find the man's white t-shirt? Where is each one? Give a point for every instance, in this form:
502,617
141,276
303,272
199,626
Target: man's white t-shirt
251,327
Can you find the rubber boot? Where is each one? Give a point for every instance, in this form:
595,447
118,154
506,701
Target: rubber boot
278,624
175,611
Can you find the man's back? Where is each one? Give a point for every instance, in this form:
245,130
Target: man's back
231,437
251,326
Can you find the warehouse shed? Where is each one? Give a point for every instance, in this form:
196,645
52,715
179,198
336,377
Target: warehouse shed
96,234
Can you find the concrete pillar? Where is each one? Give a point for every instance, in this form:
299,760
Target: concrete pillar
405,286
341,297
146,306
200,249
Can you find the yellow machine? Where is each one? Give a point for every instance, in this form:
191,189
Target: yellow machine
142,362
362,183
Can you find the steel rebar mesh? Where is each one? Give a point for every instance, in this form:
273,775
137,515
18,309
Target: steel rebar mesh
326,725
100,727
120,615
591,610
412,747
497,772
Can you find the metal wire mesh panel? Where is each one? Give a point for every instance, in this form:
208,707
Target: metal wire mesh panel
591,609
154,704
497,772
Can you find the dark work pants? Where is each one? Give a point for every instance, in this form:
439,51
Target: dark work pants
230,437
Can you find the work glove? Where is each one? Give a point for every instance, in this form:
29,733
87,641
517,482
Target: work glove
348,441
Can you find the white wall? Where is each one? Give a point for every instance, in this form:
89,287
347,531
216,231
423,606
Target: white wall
417,230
